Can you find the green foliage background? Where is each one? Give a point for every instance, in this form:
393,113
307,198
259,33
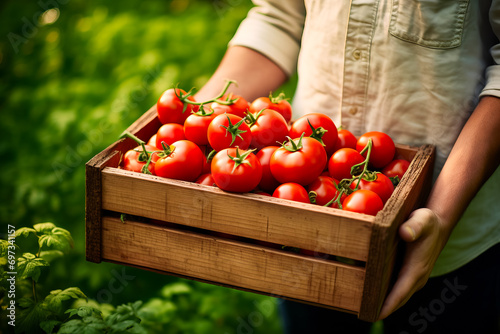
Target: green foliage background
68,88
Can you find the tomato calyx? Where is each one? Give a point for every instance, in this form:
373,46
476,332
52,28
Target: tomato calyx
251,119
167,150
240,158
370,176
234,129
317,133
203,112
343,189
291,146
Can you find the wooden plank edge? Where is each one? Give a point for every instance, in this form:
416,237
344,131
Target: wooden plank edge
93,202
200,213
189,278
345,274
384,240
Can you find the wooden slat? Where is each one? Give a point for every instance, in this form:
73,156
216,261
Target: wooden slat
93,201
409,195
253,216
235,264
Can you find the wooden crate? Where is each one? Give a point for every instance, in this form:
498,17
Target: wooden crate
175,234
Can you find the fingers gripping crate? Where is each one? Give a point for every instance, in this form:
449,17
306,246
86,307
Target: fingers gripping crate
183,227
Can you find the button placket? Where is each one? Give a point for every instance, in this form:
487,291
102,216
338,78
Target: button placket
356,63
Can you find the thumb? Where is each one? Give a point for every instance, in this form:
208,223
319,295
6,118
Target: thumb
413,228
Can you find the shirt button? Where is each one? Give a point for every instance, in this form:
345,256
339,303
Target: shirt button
356,54
353,111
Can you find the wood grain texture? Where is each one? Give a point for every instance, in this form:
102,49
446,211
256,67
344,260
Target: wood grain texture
93,201
234,264
253,216
409,195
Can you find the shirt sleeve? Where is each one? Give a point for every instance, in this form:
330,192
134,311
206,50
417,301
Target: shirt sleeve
274,29
492,86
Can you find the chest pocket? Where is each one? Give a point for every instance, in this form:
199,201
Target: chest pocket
430,23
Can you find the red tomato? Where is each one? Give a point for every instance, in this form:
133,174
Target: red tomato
382,186
268,127
229,130
236,170
206,179
134,159
238,108
196,126
152,140
184,162
301,161
363,201
383,148
345,140
169,133
341,162
171,109
268,182
324,188
397,167
279,103
292,191
325,130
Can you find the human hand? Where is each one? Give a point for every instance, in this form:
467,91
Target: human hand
425,236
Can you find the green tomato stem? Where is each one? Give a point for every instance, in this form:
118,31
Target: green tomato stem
144,156
184,98
368,149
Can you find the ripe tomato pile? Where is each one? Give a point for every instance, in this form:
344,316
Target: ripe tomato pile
253,147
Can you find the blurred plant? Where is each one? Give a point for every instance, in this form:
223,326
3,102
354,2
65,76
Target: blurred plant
68,91
180,307
34,311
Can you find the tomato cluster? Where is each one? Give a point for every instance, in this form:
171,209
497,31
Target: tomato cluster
242,147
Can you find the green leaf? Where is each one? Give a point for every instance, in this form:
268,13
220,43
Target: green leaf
44,227
26,302
50,255
129,326
29,319
4,246
85,312
24,231
56,298
56,238
175,289
29,266
125,312
77,326
4,250
49,325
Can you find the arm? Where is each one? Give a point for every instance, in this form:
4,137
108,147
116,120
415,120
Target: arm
474,157
255,74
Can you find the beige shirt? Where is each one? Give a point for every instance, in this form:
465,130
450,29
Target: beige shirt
414,69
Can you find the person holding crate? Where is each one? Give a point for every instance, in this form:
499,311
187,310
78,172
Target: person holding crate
424,72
